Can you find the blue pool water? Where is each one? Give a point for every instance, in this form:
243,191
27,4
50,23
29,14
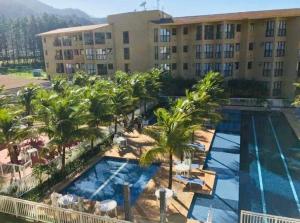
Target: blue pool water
105,180
257,159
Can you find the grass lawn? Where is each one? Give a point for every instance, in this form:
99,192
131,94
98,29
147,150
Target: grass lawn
10,219
25,74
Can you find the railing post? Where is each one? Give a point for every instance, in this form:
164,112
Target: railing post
16,207
127,205
162,199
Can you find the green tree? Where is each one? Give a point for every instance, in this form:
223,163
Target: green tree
26,97
171,134
12,131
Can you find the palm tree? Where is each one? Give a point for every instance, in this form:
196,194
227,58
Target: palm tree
171,134
12,131
65,122
26,97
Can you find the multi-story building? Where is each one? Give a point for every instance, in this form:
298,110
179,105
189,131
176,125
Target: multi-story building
261,45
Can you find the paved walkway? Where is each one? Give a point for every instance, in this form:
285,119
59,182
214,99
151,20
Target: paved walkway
293,120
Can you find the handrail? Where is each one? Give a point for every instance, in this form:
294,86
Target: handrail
46,213
252,217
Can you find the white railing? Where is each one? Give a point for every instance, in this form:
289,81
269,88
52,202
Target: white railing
251,217
46,213
13,169
256,102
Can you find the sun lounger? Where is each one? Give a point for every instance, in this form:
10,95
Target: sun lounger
190,180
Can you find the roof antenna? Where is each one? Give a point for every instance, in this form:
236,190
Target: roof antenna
143,4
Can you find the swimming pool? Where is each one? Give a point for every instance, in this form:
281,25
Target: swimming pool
106,178
257,159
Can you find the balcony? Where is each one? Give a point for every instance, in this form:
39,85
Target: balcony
58,57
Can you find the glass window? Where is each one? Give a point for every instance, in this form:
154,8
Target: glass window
67,41
156,53
228,50
174,66
90,68
278,71
126,53
108,35
88,38
218,52
208,32
102,69
282,28
60,68
198,51
268,49
126,37
185,66
208,51
185,30
89,54
267,69
208,67
155,35
280,51
110,66
174,49
251,46
164,52
174,31
199,32
270,26
101,54
238,28
68,55
185,49
219,31
228,69
229,31
249,65
198,71
165,35
99,38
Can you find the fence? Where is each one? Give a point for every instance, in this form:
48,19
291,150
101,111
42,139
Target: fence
12,169
255,102
251,217
46,213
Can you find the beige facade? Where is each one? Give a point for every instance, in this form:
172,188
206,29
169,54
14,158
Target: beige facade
251,45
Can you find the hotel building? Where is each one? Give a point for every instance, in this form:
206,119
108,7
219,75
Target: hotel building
260,45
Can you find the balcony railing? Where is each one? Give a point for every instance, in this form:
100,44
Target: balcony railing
251,217
58,57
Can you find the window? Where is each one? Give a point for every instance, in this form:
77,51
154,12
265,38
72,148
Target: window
185,30
110,66
228,50
199,32
174,49
164,52
60,68
237,47
68,54
207,68
185,66
108,35
282,28
251,27
228,69
174,31
219,31
58,55
165,67
249,65
90,68
125,37
89,54
198,51
101,54
76,52
102,69
155,35
208,51
218,67
218,52
99,38
70,68
270,27
251,46
237,65
278,70
280,51
174,66
238,28
198,69
277,88
88,38
268,49
267,69
127,67
165,35
126,53
185,49
208,32
57,41
67,41
229,31
156,53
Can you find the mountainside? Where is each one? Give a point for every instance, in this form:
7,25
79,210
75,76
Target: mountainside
22,8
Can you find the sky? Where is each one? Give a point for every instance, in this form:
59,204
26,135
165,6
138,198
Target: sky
102,8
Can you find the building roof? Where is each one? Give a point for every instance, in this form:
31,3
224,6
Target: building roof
74,29
250,15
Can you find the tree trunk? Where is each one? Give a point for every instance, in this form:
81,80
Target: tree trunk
63,158
170,170
193,136
116,126
92,143
13,154
132,117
